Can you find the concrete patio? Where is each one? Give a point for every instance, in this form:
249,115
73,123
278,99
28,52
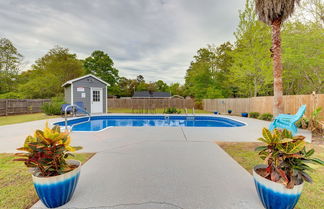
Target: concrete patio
156,167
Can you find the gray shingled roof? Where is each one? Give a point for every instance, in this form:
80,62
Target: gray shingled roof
147,94
161,94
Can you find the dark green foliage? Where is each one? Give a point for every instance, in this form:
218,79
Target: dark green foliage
172,110
254,114
101,65
46,151
207,76
49,73
53,107
10,63
266,116
286,158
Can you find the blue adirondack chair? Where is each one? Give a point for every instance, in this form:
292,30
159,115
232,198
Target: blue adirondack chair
80,107
68,110
288,121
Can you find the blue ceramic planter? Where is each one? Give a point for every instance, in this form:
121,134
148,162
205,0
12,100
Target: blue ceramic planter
244,114
216,113
57,190
275,195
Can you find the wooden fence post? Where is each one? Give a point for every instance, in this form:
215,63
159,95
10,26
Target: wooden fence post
6,107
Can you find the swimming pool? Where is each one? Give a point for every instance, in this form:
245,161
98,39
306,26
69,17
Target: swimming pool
98,123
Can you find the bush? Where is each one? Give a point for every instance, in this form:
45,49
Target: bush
11,95
302,123
53,107
172,110
266,116
198,104
314,123
254,114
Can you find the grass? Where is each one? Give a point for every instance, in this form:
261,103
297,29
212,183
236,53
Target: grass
313,194
6,120
158,111
16,187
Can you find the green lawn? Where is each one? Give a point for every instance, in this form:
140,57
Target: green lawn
158,111
6,120
16,187
313,194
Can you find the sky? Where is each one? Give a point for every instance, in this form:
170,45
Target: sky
154,38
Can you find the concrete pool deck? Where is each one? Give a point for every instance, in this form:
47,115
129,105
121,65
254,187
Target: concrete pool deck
156,167
13,136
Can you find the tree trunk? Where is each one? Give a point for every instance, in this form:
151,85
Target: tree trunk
277,68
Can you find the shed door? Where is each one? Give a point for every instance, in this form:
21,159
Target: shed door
96,100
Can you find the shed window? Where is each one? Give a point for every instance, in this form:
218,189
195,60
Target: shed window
96,96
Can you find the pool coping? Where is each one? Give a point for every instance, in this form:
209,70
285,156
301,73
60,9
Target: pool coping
117,114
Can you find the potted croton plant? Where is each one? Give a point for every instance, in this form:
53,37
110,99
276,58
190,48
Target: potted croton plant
280,181
54,177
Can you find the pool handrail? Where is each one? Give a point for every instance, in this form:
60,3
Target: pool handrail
65,116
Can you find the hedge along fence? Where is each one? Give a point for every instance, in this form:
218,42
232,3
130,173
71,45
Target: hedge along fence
150,104
265,104
21,106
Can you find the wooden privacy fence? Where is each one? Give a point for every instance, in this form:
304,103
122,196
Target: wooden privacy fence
150,105
21,106
265,104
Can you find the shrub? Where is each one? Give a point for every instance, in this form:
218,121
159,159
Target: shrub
11,95
254,114
266,116
47,151
198,104
53,107
302,123
172,110
314,122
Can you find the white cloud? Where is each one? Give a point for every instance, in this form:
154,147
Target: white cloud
154,38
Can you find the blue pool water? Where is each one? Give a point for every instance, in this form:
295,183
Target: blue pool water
100,122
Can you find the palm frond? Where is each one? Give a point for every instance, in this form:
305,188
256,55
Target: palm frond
270,10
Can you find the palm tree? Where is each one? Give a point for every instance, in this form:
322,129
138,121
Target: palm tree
274,13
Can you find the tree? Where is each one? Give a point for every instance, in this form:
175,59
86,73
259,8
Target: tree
177,89
274,13
224,61
303,57
61,63
201,74
45,86
161,86
251,65
49,73
101,65
10,62
311,11
140,79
